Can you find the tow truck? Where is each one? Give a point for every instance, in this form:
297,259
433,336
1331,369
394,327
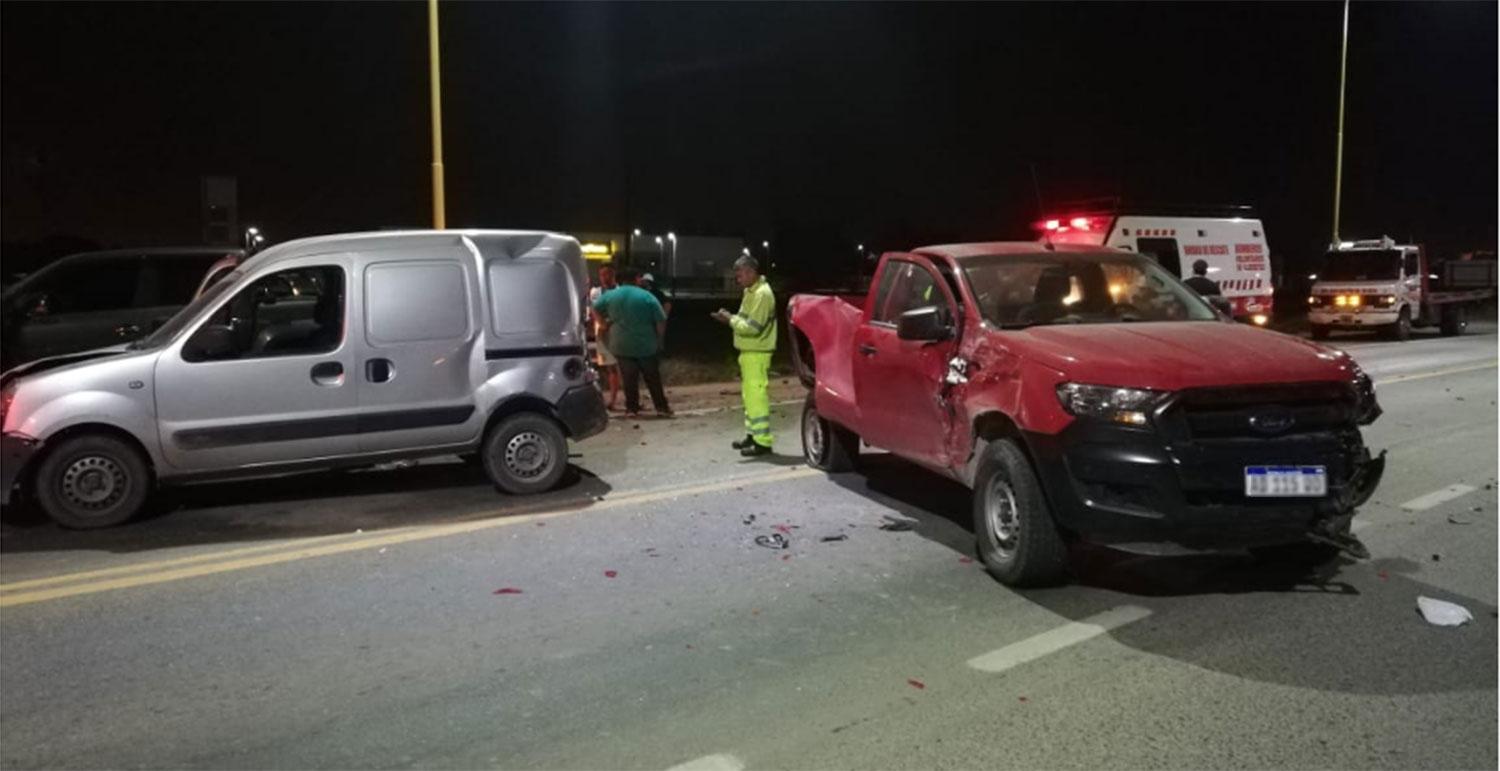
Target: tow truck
1391,288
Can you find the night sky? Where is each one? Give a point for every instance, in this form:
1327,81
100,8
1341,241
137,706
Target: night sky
883,123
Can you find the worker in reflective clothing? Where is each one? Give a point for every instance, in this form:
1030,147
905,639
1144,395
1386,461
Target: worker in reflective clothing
755,338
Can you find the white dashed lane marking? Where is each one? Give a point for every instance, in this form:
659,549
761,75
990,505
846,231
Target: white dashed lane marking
1437,497
1054,640
720,762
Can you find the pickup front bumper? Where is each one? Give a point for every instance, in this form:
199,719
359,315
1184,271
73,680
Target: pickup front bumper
1122,486
1354,317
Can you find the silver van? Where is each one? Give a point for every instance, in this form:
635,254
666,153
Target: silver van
326,352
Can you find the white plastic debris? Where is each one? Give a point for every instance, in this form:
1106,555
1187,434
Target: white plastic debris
1440,613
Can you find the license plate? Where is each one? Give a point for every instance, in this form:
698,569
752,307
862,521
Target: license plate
1286,481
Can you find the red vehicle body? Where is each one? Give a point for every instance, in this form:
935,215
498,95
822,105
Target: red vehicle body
931,369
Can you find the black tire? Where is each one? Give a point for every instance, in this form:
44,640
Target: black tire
91,481
827,446
1401,330
1029,550
1320,331
525,454
1455,321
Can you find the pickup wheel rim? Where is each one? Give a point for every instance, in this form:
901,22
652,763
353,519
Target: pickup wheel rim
1003,514
813,436
94,482
527,455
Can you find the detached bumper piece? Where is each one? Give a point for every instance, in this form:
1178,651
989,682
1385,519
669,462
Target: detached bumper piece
1182,480
582,412
16,452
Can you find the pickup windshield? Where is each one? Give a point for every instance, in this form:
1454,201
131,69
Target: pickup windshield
1016,291
1364,265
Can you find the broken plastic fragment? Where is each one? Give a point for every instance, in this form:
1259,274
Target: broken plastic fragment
894,526
785,529
749,519
832,538
610,573
772,541
1456,519
1441,613
917,684
965,560
507,590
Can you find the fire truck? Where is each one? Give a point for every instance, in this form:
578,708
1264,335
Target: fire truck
1230,239
1388,287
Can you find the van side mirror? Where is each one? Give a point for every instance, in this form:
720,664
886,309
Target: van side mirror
1221,304
930,323
212,342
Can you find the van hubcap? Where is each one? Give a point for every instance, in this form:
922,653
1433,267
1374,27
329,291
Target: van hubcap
812,435
1003,514
527,455
94,482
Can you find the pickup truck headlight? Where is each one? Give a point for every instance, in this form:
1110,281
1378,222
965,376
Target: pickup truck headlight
1127,406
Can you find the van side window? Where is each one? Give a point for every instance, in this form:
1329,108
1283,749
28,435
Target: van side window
294,312
408,302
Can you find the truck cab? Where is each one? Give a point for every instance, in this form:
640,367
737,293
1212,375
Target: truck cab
1390,288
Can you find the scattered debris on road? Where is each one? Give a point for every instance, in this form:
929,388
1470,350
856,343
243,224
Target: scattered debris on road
749,519
611,573
965,560
1441,613
1459,519
507,590
917,684
832,538
1437,557
772,541
895,526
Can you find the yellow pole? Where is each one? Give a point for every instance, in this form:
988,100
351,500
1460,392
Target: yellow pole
1338,163
439,208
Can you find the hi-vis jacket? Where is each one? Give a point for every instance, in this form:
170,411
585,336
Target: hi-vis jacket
755,325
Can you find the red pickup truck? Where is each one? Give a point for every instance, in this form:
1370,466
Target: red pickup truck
1084,393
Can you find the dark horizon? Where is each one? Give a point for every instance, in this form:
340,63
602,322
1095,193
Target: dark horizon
885,124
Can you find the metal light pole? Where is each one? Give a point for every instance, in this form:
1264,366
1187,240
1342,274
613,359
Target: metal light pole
439,205
1338,163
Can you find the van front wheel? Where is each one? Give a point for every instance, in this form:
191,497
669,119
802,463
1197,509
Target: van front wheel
525,454
92,481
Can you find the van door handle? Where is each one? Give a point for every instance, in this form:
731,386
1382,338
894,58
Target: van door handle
328,373
867,349
379,370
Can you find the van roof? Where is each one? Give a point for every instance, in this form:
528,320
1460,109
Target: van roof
992,248
513,241
1126,207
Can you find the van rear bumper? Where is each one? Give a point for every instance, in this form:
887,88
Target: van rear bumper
16,452
582,412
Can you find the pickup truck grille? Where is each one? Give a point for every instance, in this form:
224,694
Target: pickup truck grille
1271,411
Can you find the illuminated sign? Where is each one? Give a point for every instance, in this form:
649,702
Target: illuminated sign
596,249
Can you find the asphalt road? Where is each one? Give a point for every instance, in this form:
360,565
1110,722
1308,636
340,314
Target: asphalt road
353,620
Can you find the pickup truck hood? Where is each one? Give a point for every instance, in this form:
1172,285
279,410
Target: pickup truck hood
1174,355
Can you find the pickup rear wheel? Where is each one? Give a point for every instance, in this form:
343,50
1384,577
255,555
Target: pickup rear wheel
525,454
1017,539
827,446
92,481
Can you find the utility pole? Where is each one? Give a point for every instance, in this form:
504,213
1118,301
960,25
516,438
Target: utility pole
1338,163
439,205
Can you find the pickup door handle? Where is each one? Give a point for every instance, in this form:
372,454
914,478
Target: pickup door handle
867,349
328,373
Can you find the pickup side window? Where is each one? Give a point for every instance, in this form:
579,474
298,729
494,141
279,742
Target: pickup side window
905,286
888,277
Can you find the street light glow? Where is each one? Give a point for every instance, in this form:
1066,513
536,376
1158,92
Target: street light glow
671,236
636,232
253,231
765,244
658,240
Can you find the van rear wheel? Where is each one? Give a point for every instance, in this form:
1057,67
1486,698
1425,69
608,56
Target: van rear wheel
525,454
92,481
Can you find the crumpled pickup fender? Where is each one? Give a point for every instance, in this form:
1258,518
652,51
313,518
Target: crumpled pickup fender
822,338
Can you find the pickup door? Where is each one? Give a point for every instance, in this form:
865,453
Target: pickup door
898,383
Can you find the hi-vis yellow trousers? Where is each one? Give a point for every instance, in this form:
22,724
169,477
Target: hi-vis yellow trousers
755,390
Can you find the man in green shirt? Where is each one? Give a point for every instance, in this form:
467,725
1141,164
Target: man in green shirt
754,330
636,326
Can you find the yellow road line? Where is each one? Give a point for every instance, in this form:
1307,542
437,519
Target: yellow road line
408,535
1437,373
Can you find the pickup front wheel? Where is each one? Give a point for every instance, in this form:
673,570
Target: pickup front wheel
827,446
1017,539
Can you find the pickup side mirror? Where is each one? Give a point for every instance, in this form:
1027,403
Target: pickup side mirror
1221,304
930,323
212,342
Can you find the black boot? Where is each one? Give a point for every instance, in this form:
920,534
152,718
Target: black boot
755,450
743,443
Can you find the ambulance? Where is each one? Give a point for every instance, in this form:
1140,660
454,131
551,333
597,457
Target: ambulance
1230,239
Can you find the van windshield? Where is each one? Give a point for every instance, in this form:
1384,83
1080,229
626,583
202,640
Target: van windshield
169,330
1363,265
1028,290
